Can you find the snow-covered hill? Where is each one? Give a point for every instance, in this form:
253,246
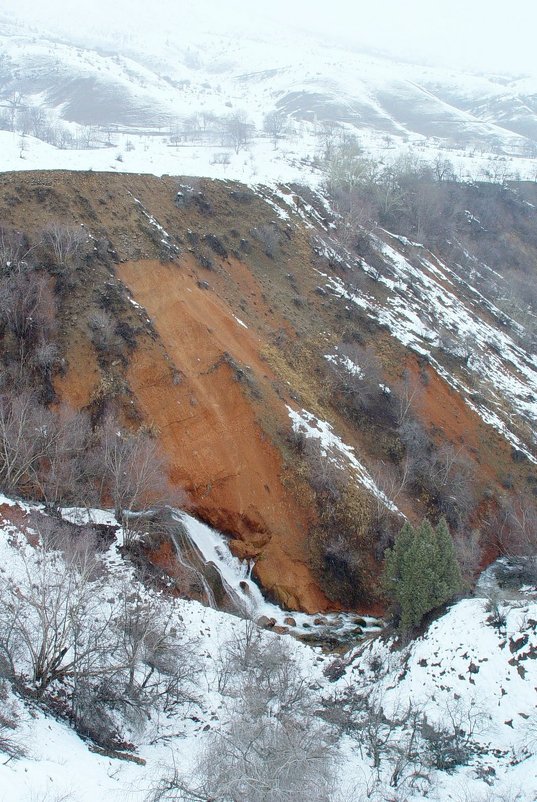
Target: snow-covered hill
163,102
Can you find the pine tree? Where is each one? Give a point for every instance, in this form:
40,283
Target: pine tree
449,575
421,572
393,567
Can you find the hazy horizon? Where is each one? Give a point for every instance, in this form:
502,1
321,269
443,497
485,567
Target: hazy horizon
483,36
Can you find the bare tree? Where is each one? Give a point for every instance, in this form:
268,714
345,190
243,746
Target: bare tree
274,124
267,235
272,746
134,472
14,251
469,553
102,328
60,623
391,740
28,310
238,130
516,526
326,477
10,744
22,424
407,393
66,474
14,103
45,621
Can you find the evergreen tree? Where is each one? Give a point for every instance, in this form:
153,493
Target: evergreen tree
421,572
449,575
393,567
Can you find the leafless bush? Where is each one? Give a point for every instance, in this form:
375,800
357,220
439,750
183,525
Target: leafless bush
14,251
134,472
23,421
272,746
340,547
117,654
28,312
102,330
44,453
444,473
357,377
68,472
391,741
65,242
326,476
10,744
452,742
267,235
469,553
45,625
516,526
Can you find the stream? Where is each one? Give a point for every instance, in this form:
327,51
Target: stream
222,575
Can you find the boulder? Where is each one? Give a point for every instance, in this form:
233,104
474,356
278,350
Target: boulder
265,622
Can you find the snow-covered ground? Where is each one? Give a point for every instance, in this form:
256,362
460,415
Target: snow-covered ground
152,103
471,677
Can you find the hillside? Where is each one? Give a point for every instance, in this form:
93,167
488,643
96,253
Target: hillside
196,99
307,393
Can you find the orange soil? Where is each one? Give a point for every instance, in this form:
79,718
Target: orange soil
207,426
82,380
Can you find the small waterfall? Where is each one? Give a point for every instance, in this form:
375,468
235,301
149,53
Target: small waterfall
206,550
228,584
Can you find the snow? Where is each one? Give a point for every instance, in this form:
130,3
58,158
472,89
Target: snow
141,92
336,449
429,308
463,667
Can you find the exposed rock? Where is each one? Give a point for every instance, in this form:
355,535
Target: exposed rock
264,622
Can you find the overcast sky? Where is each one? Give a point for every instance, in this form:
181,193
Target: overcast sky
491,35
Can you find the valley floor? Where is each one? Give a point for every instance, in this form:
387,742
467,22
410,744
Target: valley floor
469,681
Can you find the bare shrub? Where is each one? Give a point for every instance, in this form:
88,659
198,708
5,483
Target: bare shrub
28,312
469,553
45,625
14,251
444,473
272,747
44,453
114,656
326,476
451,743
340,546
134,472
23,421
10,744
65,242
357,377
267,235
67,472
103,332
516,526
390,739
